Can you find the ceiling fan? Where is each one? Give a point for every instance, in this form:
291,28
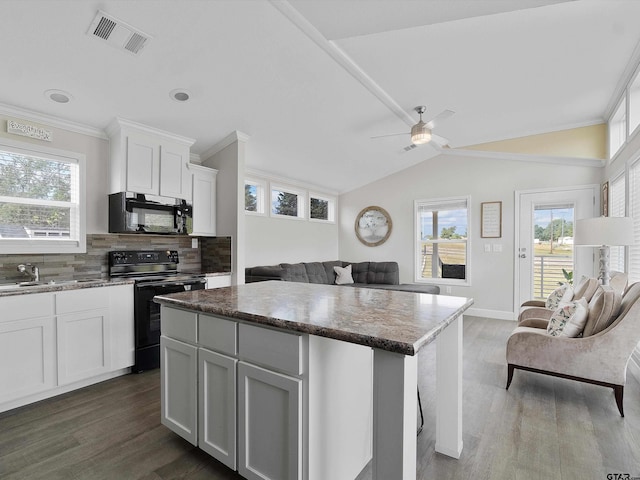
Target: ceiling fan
422,133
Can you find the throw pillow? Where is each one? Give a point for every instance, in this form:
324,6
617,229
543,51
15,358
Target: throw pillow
562,294
343,275
603,309
569,319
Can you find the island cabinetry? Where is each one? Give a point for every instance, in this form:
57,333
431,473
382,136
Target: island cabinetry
149,161
204,200
27,346
219,281
55,342
254,390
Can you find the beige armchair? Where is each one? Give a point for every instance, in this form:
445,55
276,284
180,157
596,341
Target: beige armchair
599,359
534,314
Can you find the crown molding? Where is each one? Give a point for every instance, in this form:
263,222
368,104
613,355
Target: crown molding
235,136
524,157
51,121
633,65
119,122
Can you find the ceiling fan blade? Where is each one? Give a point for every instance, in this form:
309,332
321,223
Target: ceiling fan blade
441,141
390,135
441,117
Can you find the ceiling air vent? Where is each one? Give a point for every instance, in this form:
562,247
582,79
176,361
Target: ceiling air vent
118,33
408,148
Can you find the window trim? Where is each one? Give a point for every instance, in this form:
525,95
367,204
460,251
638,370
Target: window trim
466,282
261,187
301,194
331,207
622,104
37,246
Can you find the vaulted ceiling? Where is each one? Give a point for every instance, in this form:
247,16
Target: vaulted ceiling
310,81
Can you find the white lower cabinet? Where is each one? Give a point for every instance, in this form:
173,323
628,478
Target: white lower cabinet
269,424
27,357
217,406
84,347
55,342
179,387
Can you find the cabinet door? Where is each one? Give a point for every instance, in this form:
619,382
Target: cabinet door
204,203
174,175
84,345
269,424
143,164
217,406
179,388
27,357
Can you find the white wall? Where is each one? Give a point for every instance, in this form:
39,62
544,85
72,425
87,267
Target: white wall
484,179
282,240
96,151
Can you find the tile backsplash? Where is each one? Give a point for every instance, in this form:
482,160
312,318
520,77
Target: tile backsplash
212,255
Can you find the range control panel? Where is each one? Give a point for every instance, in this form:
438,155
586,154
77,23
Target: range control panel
143,257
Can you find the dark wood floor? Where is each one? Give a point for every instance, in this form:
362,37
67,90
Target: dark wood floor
542,427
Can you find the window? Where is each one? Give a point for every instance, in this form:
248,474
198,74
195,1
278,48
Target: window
287,202
634,211
41,199
442,246
321,208
618,128
254,197
634,103
617,209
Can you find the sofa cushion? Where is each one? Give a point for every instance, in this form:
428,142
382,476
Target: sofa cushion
585,288
267,272
562,294
343,275
603,309
569,319
294,272
384,272
328,268
360,272
316,273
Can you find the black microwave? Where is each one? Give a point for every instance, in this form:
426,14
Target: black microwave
135,213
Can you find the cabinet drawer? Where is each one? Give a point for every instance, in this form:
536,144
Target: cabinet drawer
271,348
218,334
31,305
80,300
179,324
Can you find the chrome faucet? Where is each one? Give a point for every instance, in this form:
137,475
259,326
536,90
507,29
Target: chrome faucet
33,271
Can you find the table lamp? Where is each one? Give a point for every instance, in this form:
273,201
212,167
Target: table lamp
603,232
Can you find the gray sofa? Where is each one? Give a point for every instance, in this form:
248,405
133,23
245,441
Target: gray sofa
380,275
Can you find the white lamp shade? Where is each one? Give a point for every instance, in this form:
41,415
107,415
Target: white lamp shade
603,231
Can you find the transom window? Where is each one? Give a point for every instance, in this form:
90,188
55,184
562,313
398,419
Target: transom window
40,200
321,208
287,202
442,249
254,197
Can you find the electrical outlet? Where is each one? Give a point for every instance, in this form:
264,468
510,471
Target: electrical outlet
447,289
487,247
497,247
194,243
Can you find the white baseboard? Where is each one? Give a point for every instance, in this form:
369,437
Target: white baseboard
497,314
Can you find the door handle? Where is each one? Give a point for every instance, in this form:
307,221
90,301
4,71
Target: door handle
523,255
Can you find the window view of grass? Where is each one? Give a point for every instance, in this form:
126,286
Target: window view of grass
552,248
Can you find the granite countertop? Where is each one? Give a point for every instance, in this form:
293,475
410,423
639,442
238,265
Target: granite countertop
401,322
59,285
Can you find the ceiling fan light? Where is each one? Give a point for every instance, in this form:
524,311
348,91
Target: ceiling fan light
420,134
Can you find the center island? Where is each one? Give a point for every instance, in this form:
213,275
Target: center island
285,380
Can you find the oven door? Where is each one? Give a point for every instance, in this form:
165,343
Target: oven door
147,319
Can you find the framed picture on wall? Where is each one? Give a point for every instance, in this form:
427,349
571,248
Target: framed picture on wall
604,201
491,219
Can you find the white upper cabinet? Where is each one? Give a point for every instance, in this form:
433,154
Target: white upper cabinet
149,161
204,200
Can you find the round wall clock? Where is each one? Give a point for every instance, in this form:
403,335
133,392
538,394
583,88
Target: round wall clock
373,226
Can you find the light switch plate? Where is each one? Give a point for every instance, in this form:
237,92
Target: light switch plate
194,243
487,247
497,247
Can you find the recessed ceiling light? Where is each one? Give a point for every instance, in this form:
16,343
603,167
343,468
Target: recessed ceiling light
58,96
180,95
